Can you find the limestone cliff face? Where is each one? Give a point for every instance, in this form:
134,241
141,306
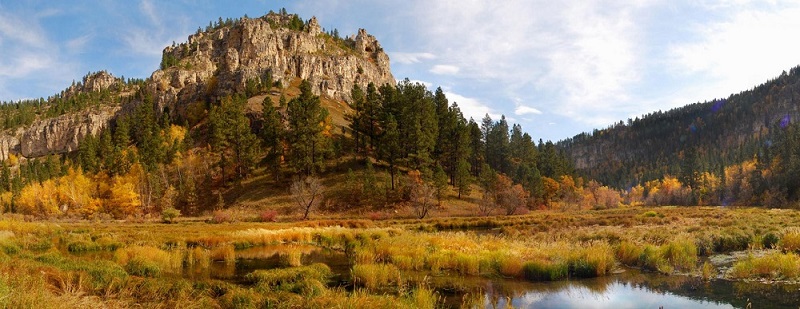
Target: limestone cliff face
221,61
213,64
55,135
62,134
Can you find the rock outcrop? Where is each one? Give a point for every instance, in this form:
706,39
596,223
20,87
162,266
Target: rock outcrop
212,64
63,133
221,61
55,135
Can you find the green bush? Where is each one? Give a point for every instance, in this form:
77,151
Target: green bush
9,247
305,280
770,240
169,214
142,267
83,246
544,271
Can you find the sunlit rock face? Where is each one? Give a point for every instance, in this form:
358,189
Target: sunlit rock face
221,61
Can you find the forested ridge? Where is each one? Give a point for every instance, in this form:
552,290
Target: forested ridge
737,150
277,148
400,146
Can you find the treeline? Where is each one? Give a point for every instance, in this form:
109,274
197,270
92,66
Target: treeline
710,139
769,178
409,127
147,161
14,114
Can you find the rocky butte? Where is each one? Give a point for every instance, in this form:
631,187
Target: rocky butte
221,61
211,64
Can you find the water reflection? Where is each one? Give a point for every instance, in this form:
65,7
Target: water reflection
631,289
270,257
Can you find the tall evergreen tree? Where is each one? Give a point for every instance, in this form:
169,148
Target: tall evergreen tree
272,132
231,136
477,157
358,118
305,134
497,147
391,149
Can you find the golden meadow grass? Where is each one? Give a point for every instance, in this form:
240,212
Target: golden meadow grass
119,264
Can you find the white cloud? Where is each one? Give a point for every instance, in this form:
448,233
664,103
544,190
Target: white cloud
471,107
146,6
526,110
417,81
582,55
410,58
28,58
23,31
444,69
78,44
747,48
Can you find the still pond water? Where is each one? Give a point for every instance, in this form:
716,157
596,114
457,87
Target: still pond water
628,289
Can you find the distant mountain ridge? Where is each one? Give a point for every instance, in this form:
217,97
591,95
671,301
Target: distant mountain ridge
698,137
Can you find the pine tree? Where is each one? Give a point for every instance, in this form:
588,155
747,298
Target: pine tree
497,146
272,133
440,183
476,143
306,120
357,118
463,179
232,138
390,149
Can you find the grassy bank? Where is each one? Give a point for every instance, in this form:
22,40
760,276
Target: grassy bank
112,264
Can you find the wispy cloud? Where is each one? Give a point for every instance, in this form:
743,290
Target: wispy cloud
582,55
78,44
410,58
28,57
526,110
746,47
22,31
471,107
422,82
445,69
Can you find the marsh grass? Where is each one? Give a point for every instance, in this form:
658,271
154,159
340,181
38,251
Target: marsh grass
291,258
374,276
197,257
628,253
80,246
305,280
422,298
680,253
223,253
790,242
148,261
774,265
708,271
538,270
148,258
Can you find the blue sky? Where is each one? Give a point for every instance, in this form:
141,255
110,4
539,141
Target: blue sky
558,68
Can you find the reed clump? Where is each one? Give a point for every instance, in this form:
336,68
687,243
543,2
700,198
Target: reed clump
305,280
790,242
374,276
148,261
223,253
774,265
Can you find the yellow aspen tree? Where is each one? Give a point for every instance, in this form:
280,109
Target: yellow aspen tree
123,200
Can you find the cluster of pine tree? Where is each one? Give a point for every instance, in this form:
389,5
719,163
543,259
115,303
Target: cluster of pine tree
408,126
146,161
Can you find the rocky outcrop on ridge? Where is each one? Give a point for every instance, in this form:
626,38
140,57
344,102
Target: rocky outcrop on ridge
221,61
